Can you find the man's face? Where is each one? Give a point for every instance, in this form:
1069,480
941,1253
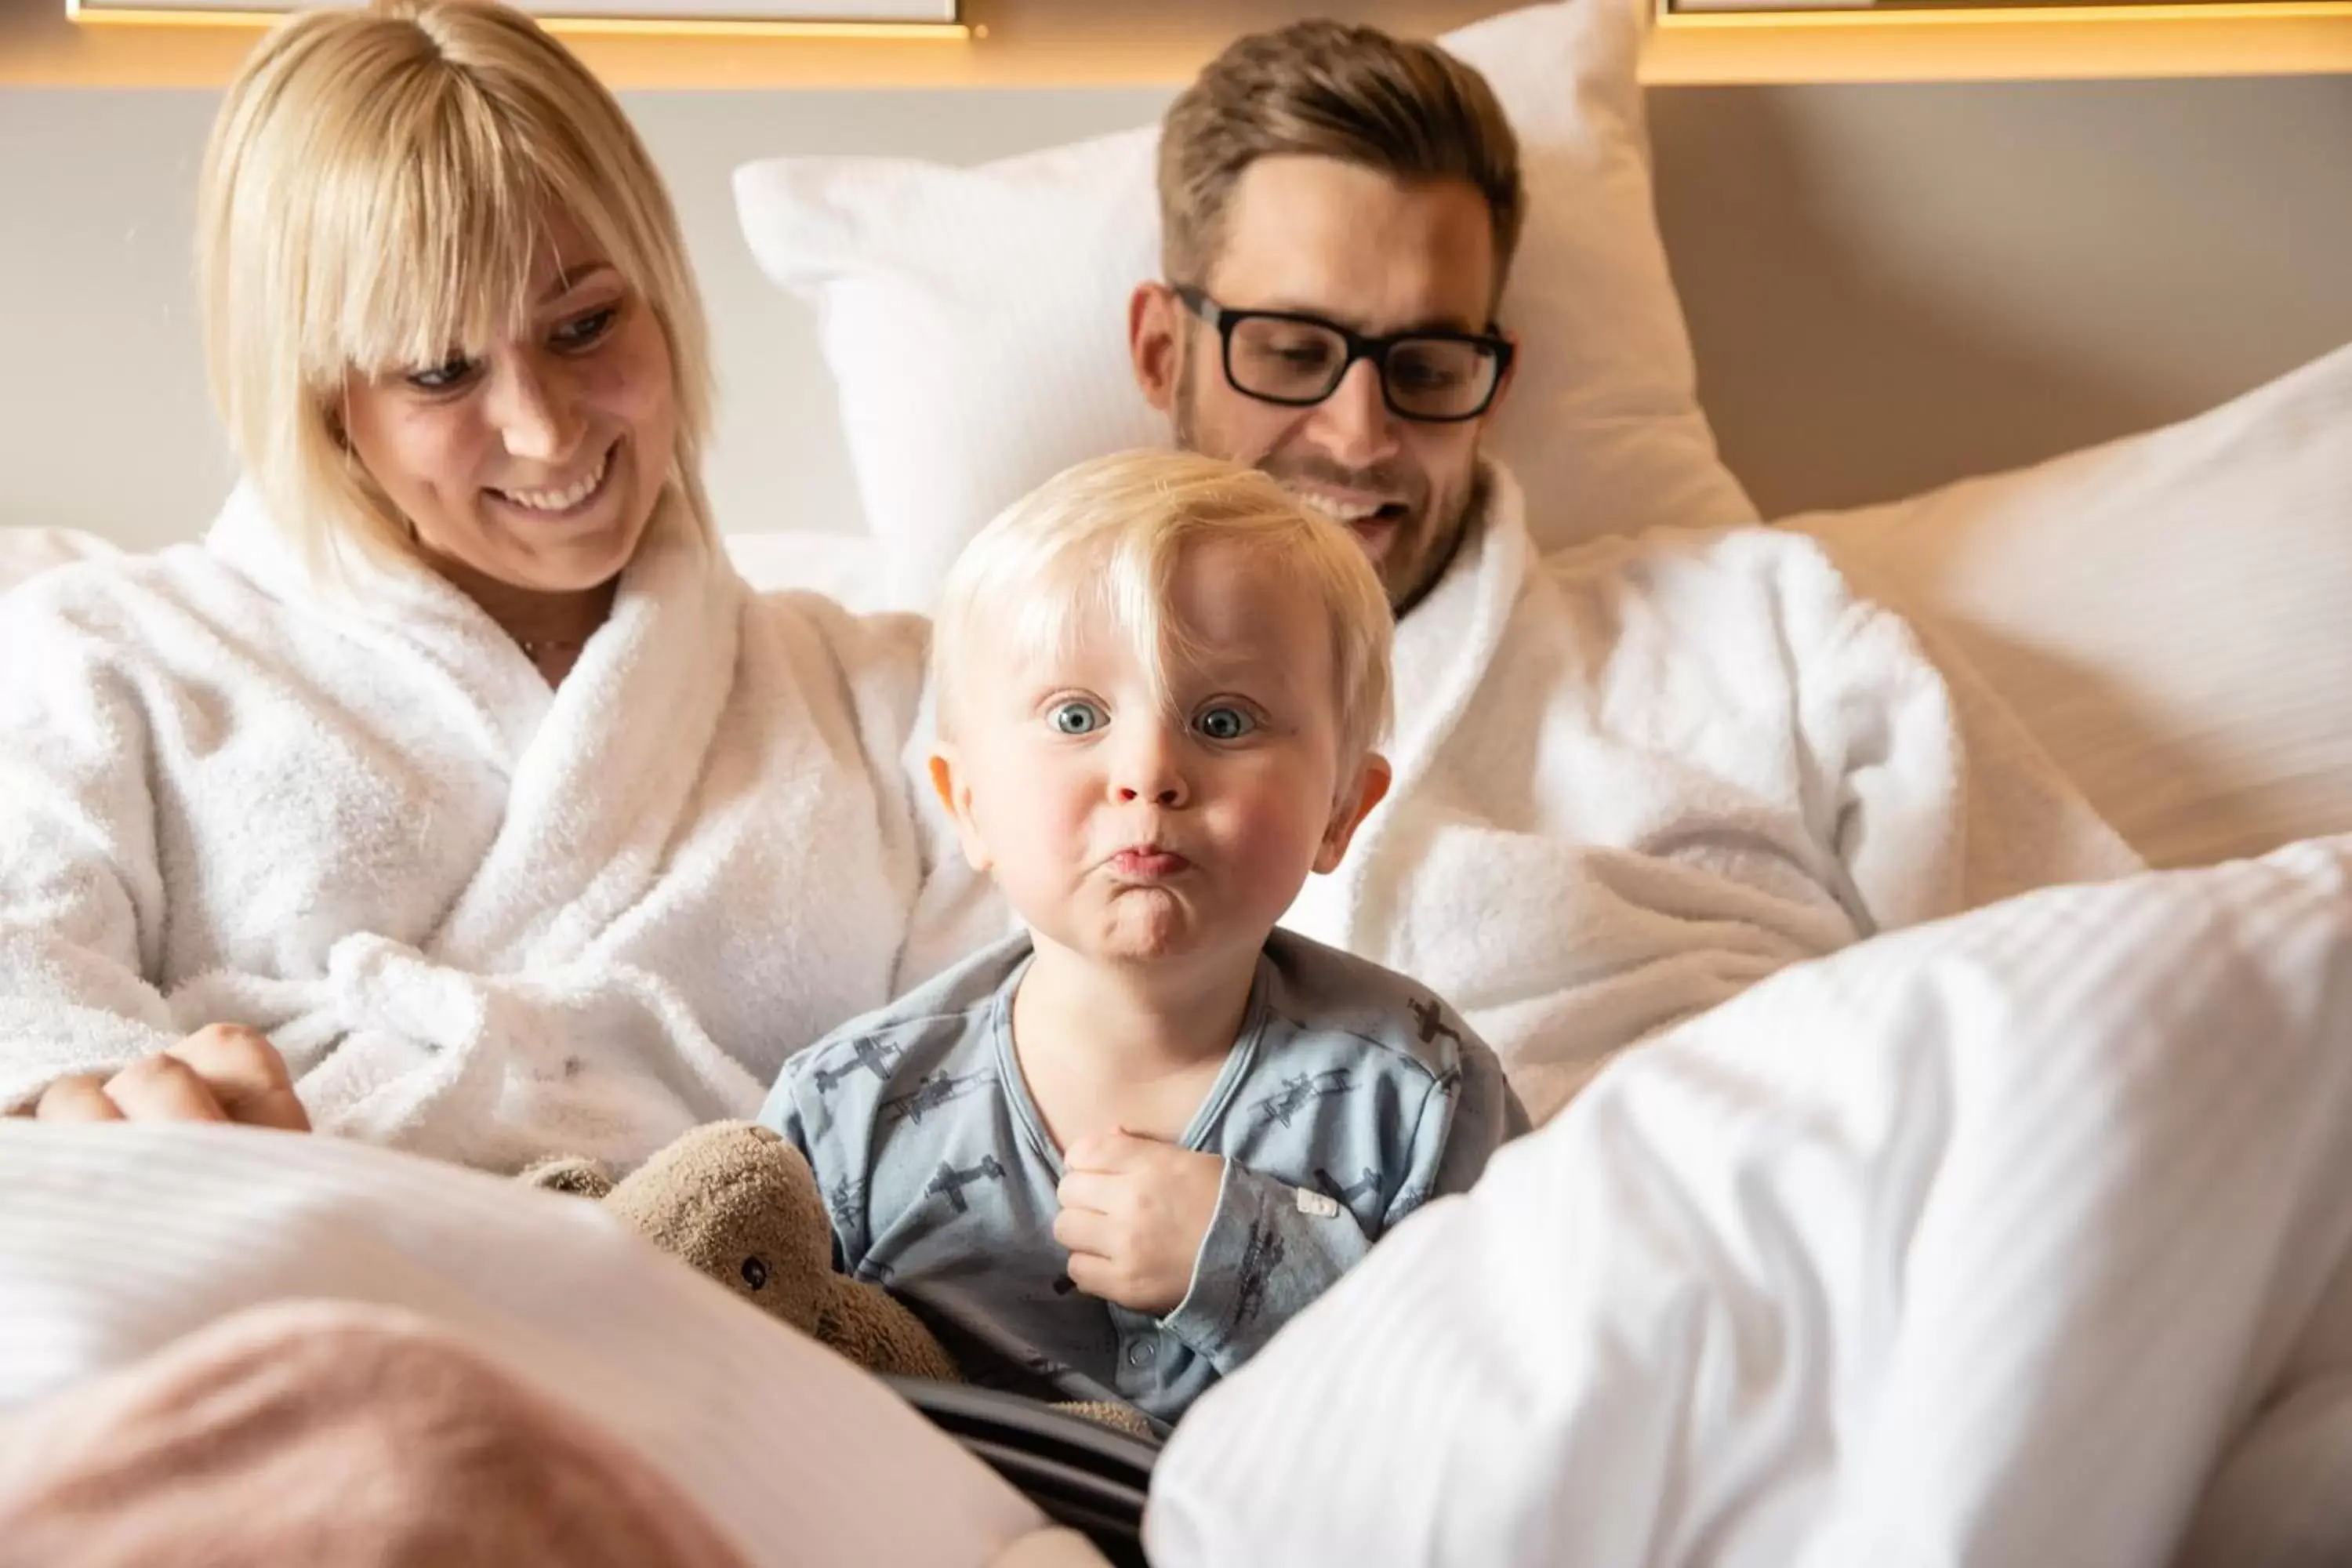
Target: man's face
1349,245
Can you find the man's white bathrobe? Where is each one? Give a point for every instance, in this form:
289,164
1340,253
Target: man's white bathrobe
1634,778
484,920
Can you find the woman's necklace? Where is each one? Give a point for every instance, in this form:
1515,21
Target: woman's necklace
509,606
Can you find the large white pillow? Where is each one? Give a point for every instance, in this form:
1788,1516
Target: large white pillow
25,551
2170,614
974,320
844,567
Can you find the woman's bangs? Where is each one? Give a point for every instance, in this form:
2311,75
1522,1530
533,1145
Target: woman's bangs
437,261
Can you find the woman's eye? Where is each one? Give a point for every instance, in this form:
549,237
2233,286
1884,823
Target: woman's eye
443,376
581,331
1077,718
1223,724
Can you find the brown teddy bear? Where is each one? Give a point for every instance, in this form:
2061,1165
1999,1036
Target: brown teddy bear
740,1204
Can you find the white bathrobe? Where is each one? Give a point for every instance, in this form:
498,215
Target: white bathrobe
484,920
1634,779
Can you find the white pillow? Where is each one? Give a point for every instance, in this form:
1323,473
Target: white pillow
2170,614
974,320
25,552
844,567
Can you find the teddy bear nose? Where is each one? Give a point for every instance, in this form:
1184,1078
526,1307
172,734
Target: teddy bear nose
755,1273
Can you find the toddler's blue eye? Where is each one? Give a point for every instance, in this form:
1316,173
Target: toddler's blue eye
1225,724
1077,718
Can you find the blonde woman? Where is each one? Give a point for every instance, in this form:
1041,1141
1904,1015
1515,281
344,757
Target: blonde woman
455,792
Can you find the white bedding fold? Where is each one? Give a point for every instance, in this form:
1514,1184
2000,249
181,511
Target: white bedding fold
1989,1243
117,1240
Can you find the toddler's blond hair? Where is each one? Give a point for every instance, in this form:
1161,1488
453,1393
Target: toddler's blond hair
1111,533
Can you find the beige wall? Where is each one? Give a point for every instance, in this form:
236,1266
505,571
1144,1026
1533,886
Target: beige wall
103,419
1889,286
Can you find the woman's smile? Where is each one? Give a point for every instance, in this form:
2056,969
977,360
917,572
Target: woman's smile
565,503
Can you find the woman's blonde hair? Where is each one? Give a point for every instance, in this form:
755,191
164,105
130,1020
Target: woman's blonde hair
377,186
1109,535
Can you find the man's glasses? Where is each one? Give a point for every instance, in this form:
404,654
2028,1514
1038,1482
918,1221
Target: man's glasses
1280,356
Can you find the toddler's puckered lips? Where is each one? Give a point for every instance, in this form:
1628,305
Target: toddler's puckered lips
1149,863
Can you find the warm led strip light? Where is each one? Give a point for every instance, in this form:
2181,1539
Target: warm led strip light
582,26
1830,41
1999,15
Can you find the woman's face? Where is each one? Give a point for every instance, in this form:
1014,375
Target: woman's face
537,463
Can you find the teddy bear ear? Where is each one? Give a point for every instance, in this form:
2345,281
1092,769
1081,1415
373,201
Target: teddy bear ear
568,1174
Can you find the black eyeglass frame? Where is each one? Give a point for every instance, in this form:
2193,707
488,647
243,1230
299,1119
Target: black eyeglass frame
1223,320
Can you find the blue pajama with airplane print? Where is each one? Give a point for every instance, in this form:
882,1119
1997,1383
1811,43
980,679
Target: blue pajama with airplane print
1350,1098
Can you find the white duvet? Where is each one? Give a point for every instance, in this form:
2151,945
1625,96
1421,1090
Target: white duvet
2018,1239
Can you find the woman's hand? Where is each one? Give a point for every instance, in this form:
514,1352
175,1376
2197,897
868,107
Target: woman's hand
225,1072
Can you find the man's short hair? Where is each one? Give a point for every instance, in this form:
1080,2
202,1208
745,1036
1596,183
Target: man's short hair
1111,533
1330,89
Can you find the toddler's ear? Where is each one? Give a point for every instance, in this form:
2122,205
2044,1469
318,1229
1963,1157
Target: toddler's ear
1356,803
955,795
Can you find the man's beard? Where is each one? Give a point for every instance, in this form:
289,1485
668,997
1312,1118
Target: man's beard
1421,546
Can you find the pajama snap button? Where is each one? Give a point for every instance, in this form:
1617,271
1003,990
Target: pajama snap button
1143,1352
